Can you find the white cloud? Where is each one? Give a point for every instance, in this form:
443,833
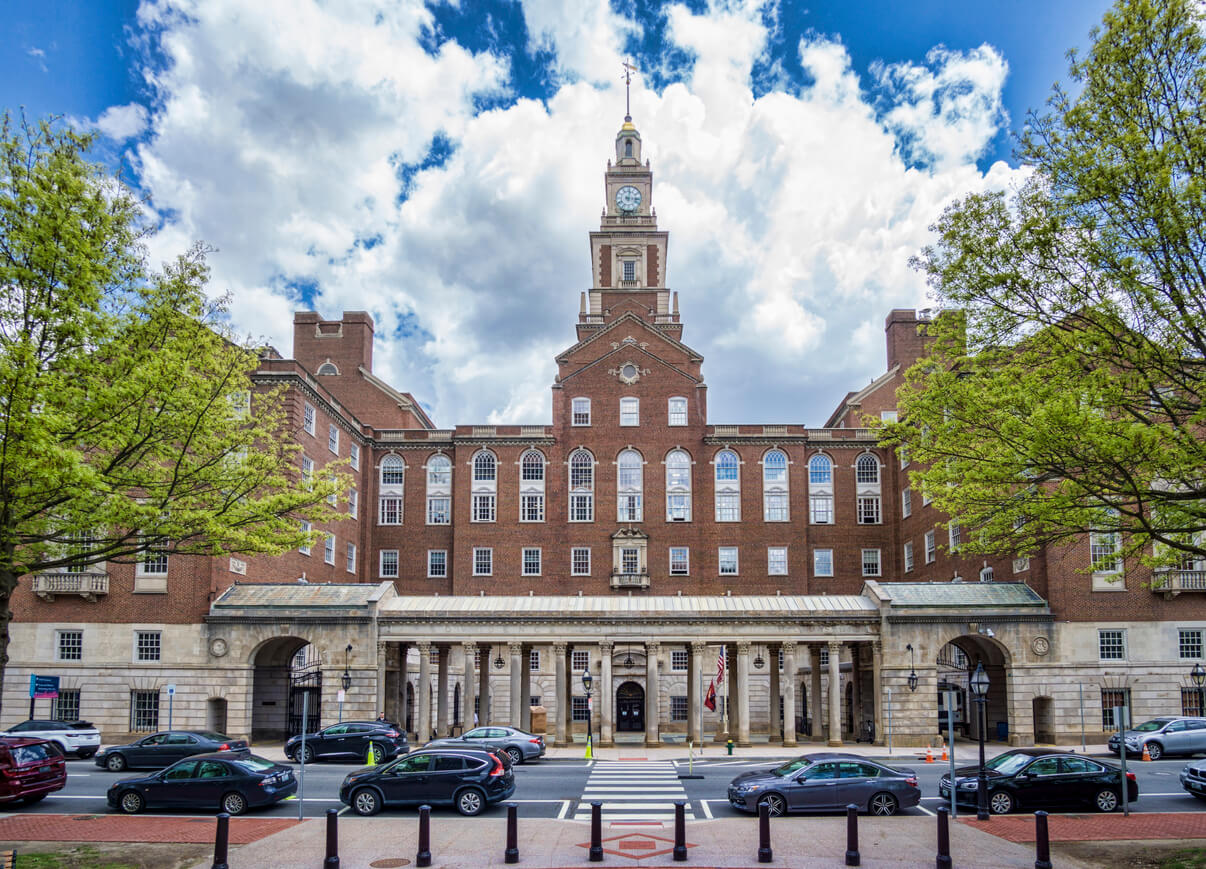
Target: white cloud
122,122
277,131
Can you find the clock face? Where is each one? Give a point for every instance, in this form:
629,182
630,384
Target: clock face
628,198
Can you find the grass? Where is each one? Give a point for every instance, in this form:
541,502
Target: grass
77,858
1193,858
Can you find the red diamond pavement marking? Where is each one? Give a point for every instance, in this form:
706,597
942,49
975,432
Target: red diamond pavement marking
624,845
1097,828
123,828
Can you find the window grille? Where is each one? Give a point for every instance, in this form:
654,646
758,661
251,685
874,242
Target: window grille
144,710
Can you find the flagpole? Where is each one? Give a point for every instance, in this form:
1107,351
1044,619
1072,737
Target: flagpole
724,684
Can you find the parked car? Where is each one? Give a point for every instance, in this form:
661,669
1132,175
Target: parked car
519,745
30,769
469,778
221,781
163,749
72,737
350,739
1166,735
826,781
1036,778
1193,779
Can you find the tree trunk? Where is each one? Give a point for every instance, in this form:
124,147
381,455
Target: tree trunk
8,582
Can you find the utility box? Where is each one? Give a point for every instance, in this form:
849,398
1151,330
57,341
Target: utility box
540,719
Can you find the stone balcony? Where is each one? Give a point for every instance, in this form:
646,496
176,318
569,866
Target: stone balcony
86,585
630,580
1172,582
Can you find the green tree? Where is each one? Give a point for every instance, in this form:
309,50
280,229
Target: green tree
129,418
1062,390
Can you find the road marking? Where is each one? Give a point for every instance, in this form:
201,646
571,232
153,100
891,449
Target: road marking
632,791
927,811
707,810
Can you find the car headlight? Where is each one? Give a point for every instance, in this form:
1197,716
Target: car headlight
745,789
969,785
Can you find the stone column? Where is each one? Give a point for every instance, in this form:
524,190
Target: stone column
732,699
814,702
486,713
835,693
789,694
606,694
468,677
382,698
877,687
652,737
774,719
423,689
560,734
516,650
695,692
743,691
399,711
856,680
525,690
442,728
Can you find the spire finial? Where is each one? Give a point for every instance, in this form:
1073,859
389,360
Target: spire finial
629,69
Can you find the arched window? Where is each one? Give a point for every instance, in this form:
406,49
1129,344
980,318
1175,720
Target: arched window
327,368
820,490
678,486
582,486
629,487
485,467
389,498
531,486
774,486
439,490
485,487
820,470
439,471
866,469
393,471
728,487
532,466
628,147
986,574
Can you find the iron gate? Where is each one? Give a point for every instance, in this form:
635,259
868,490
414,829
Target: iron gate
305,683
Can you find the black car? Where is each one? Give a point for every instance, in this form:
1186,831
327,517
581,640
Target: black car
1035,778
370,741
163,749
469,779
224,781
826,781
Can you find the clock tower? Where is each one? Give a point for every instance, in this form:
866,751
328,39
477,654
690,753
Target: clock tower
628,252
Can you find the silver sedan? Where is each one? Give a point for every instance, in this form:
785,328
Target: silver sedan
519,745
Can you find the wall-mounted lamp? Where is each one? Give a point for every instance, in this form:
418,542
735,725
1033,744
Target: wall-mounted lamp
912,669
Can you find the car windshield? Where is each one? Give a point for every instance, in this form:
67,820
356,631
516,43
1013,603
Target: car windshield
209,734
1008,763
792,766
251,763
1154,724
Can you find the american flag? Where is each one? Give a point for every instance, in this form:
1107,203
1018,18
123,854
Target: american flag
717,680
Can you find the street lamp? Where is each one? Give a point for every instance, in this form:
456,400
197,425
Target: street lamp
587,681
1198,675
979,688
912,669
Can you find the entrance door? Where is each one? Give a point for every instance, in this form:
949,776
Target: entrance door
630,707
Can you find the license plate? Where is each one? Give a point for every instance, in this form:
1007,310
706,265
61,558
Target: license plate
1194,786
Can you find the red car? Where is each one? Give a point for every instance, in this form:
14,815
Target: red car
30,769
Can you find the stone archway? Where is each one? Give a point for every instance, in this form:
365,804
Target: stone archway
276,688
630,708
956,663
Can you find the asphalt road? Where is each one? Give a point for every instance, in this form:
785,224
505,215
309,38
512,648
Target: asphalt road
553,788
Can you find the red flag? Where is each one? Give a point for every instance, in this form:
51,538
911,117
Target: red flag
718,679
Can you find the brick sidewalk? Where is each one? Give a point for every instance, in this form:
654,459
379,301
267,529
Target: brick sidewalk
1097,828
122,828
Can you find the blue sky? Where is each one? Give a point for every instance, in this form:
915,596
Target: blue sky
440,165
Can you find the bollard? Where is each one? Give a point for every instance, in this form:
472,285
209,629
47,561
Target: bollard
596,832
680,830
1042,844
423,857
764,849
332,861
222,842
943,861
511,855
852,858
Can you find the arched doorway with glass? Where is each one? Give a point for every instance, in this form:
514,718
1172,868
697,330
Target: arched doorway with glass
630,708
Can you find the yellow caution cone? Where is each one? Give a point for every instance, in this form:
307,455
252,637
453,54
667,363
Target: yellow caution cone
590,755
370,756
1147,755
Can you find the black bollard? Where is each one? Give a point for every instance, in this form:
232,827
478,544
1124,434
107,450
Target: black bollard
222,842
680,831
943,860
852,858
1042,844
596,832
764,849
512,853
423,857
332,861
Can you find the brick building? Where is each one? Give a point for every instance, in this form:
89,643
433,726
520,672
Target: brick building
487,567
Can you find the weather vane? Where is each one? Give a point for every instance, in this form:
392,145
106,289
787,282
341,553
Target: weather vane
629,69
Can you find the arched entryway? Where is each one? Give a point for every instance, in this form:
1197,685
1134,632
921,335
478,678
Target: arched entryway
284,684
630,708
957,661
1043,709
215,714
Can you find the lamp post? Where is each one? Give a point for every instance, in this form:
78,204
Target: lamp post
979,688
587,681
1198,675
346,681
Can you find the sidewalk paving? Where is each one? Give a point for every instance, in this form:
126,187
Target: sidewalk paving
1097,828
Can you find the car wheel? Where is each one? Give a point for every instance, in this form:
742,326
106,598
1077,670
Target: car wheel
374,754
515,754
1000,803
883,804
234,803
35,798
1106,800
1155,750
366,802
470,802
131,802
115,763
775,804
307,755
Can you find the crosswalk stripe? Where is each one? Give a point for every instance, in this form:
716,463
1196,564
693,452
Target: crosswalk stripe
644,791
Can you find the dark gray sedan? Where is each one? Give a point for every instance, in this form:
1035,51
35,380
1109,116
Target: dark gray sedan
163,749
519,745
826,782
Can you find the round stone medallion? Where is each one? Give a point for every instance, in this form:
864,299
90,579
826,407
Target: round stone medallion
1040,646
218,647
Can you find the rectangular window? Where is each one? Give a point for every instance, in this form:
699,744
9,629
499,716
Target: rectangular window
887,416
483,508
870,562
728,507
1191,702
354,454
629,269
1111,697
534,663
580,711
820,509
328,549
333,439
66,707
1104,550
776,560
954,534
70,645
680,561
908,556
630,560
774,507
579,660
437,563
531,561
678,708
728,561
678,660
906,503
350,565
931,547
304,549
925,498
1189,643
822,562
581,411
439,511
580,561
628,508
353,503
824,662
582,507
389,564
147,645
1111,644
678,411
531,508
144,710
307,465
678,508
630,411
154,562
868,510
308,418
390,510
483,562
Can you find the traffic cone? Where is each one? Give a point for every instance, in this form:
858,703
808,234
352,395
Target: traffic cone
929,754
370,756
1147,755
944,755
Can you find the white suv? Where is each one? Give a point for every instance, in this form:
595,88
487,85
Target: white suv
72,737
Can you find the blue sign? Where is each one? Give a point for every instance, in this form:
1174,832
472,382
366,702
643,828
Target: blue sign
43,686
